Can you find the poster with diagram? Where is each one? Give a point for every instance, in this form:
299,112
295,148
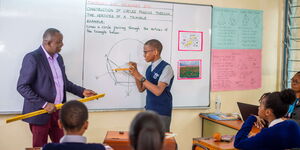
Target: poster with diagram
236,49
190,41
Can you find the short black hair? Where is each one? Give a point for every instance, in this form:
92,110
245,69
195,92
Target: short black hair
146,131
279,101
155,44
49,33
73,115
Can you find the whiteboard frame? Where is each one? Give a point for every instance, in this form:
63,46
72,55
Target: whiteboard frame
133,109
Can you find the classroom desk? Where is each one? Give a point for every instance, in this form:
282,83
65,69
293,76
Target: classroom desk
229,127
120,141
211,126
210,144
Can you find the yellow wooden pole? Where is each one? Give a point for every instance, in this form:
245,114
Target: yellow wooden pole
121,69
58,106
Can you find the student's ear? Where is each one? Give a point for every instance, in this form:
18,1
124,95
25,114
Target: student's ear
268,112
85,125
60,125
156,52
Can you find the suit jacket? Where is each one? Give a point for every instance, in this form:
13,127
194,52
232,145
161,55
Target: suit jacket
36,84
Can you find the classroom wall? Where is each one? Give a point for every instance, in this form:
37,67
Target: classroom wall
185,123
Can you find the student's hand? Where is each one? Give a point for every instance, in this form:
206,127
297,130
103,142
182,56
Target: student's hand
260,123
133,70
50,108
132,65
88,93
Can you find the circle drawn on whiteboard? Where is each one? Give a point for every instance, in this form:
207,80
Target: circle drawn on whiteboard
118,57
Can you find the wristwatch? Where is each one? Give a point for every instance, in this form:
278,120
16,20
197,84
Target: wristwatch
143,79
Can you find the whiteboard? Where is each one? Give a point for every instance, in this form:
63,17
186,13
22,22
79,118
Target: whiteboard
101,35
22,25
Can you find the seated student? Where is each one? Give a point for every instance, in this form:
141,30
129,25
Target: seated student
73,120
146,132
294,109
281,134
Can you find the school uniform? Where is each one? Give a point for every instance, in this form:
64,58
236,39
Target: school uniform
280,135
160,71
73,142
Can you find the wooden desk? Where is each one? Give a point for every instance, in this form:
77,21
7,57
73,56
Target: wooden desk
210,144
120,141
231,127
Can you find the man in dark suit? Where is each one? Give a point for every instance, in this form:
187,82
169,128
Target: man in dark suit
43,83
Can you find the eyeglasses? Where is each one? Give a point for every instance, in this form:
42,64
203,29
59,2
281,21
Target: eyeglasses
295,81
145,52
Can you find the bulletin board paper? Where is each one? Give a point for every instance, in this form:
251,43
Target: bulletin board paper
236,69
237,28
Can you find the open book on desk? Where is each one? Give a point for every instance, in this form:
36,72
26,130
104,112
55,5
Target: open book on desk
222,116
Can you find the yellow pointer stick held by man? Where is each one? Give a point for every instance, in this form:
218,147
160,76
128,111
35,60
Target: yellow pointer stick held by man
58,106
121,69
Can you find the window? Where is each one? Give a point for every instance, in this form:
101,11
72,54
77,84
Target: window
291,56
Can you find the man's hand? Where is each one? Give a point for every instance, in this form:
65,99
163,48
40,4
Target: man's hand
134,71
50,108
88,93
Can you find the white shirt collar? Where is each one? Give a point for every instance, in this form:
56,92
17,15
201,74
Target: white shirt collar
47,54
274,122
73,139
154,64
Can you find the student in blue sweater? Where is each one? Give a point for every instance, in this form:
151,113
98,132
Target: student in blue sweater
73,119
281,134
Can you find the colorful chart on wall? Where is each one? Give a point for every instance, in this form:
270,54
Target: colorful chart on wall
236,49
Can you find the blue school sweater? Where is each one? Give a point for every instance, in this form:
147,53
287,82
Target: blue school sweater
161,104
283,135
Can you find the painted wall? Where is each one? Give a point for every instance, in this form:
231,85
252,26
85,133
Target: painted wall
185,123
